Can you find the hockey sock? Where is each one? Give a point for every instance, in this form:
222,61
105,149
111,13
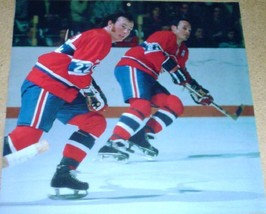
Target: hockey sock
159,121
75,150
130,121
170,107
23,136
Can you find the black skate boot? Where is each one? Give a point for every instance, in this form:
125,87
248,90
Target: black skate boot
64,177
141,141
112,149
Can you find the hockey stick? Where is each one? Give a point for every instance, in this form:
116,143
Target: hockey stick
25,154
233,116
66,34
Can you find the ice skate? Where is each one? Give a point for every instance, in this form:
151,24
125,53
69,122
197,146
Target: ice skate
64,180
140,142
113,150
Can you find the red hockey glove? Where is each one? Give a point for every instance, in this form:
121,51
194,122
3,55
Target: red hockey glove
205,98
96,100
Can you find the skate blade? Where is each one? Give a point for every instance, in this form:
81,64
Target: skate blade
114,157
144,153
62,195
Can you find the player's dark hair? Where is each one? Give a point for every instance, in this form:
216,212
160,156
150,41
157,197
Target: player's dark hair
177,20
113,17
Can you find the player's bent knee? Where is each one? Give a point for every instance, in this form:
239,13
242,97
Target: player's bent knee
96,124
175,105
143,107
92,122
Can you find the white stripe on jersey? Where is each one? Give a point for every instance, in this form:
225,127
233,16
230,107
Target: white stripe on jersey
55,75
80,67
70,42
144,65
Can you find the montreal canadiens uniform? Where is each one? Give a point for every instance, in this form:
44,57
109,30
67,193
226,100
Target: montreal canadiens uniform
149,60
67,69
137,73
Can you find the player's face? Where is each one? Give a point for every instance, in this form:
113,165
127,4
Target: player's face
120,29
182,30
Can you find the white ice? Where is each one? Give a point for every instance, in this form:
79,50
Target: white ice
205,166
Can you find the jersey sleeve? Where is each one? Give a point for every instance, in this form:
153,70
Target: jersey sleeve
86,50
158,47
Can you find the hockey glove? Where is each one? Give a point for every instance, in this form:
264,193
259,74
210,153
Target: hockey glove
180,77
95,98
204,98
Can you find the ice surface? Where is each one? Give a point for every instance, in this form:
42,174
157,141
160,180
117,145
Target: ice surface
205,166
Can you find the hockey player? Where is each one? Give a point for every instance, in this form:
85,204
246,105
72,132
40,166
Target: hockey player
137,73
60,86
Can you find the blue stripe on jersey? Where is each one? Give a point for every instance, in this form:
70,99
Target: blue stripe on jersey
79,67
150,47
65,49
68,47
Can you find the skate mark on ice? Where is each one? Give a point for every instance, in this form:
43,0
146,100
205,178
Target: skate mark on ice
232,155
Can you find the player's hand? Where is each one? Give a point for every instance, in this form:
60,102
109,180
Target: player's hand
205,98
95,98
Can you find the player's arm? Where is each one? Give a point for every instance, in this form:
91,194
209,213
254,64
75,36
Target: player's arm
95,98
181,76
155,54
157,49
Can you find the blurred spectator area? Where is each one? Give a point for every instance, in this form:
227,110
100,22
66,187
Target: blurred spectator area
50,22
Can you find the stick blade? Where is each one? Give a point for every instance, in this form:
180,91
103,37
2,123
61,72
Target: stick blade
238,112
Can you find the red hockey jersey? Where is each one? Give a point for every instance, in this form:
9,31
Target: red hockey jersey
68,69
149,56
